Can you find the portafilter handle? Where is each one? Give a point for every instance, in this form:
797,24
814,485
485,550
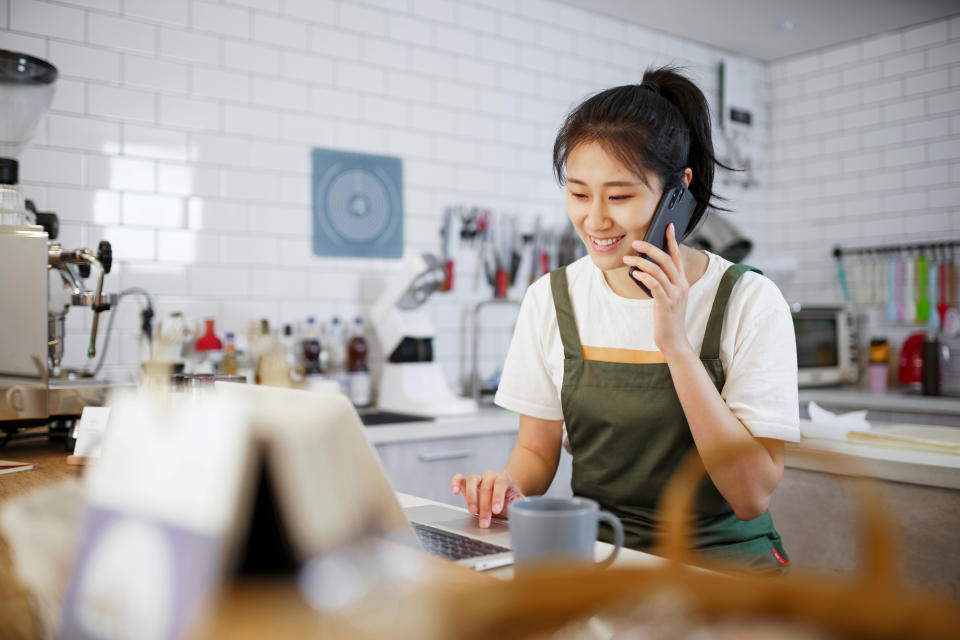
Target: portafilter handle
105,260
84,259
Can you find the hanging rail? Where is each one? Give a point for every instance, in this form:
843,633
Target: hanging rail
839,252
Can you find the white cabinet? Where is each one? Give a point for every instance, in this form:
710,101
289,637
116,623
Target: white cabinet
424,467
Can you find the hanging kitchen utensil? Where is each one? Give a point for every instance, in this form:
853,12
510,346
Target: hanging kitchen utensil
933,319
951,281
908,304
920,272
842,277
944,302
860,277
893,274
880,279
869,281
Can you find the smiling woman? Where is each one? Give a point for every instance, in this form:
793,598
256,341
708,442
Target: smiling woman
611,215
706,362
646,139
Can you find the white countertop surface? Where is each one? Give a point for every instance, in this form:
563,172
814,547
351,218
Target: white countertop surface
893,400
848,458
897,464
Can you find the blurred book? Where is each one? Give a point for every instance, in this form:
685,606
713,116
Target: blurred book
9,466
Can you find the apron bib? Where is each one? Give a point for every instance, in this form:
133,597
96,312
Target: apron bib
628,434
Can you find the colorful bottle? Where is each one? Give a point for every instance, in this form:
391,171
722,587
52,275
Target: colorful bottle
230,366
208,346
323,357
310,348
260,339
209,340
291,353
357,371
878,365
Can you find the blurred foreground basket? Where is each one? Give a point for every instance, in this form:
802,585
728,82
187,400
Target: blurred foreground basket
874,603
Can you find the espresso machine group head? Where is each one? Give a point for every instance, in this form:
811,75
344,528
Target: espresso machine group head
41,280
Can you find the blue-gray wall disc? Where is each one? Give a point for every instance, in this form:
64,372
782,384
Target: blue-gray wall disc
357,205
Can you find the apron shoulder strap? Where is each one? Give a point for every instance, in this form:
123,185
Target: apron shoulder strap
566,322
711,337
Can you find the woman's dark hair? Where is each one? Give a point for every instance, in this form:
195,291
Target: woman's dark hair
660,125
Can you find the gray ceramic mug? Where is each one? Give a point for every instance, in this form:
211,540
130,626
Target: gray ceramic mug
547,529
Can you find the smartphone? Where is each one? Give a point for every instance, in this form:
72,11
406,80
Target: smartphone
676,205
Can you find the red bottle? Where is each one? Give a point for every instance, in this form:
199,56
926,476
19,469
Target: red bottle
209,340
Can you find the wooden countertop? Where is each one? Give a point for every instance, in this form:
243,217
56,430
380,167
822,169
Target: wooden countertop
16,617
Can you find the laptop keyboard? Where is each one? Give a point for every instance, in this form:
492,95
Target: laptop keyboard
453,546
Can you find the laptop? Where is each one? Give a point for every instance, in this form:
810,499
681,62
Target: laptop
329,420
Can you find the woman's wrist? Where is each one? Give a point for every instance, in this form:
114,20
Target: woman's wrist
679,353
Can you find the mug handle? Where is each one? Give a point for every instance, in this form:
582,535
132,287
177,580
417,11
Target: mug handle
614,522
15,399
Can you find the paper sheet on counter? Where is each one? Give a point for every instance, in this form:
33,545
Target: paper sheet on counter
833,426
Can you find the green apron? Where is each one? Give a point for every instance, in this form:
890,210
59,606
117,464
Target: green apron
628,435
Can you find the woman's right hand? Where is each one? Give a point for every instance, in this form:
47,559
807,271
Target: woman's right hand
486,495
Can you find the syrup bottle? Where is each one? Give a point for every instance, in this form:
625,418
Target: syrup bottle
310,348
289,345
230,366
357,371
207,345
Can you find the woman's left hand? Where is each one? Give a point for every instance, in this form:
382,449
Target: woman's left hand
668,285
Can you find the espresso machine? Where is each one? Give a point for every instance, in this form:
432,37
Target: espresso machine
41,281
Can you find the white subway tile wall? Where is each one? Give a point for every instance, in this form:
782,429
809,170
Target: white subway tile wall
874,159
181,131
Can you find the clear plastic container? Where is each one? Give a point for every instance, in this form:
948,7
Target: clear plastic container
13,209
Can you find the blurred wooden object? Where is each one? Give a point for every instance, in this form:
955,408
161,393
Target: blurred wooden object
872,604
17,619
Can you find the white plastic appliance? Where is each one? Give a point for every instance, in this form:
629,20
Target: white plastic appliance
412,381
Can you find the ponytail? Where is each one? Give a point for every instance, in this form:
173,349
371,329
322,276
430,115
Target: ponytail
660,125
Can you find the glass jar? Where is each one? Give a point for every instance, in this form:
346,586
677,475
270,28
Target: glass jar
13,209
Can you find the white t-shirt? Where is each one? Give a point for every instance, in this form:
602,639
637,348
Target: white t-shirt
757,347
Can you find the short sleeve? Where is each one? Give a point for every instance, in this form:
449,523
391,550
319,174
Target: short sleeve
761,384
525,383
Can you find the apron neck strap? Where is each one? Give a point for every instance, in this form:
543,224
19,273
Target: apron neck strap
711,337
565,320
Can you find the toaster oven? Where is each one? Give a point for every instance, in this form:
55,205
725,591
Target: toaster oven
826,345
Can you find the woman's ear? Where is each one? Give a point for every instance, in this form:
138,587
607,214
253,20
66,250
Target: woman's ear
687,177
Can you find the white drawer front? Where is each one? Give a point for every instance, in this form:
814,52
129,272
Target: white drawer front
424,468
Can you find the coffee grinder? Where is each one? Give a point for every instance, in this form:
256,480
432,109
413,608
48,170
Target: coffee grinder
41,281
